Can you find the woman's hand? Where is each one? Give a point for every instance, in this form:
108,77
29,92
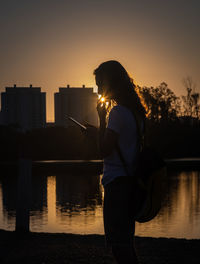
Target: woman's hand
101,109
91,131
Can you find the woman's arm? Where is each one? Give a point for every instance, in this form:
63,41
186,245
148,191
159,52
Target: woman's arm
107,137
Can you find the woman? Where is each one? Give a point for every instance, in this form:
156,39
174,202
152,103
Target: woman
120,130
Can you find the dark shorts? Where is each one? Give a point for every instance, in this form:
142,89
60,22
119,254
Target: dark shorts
119,224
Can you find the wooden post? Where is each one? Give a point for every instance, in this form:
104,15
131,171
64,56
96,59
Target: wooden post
23,195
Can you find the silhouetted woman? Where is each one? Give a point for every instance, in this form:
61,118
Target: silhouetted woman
118,127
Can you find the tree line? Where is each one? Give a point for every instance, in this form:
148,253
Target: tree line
163,105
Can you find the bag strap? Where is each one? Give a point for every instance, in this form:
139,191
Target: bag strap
139,130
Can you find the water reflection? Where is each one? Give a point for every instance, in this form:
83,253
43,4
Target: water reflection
180,215
72,202
51,203
79,202
9,195
77,192
39,193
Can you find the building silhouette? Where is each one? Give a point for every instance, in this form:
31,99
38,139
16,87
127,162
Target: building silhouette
1,118
79,103
24,107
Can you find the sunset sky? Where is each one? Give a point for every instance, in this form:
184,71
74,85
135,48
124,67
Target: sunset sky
52,43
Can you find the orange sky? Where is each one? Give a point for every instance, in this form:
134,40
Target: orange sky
55,43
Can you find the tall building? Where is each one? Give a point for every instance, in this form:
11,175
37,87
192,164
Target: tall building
79,103
24,107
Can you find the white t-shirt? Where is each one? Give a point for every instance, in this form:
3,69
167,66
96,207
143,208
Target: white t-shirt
122,121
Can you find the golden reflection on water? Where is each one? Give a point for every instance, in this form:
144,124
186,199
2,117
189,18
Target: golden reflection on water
73,204
68,207
70,211
51,202
180,215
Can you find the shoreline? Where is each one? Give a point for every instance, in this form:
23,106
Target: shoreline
50,248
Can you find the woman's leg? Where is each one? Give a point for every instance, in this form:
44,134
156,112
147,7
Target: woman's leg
119,227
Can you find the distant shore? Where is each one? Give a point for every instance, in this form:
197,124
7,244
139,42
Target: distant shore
185,163
47,248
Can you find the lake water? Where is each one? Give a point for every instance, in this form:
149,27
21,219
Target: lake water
72,203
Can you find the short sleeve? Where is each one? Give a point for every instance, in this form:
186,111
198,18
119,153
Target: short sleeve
115,120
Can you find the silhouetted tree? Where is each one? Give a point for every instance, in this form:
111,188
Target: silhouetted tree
191,100
162,103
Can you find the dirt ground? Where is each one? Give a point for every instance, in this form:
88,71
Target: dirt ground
46,248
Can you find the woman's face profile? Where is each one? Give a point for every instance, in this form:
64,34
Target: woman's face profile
103,86
99,83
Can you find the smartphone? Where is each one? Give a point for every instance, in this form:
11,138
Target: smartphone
77,123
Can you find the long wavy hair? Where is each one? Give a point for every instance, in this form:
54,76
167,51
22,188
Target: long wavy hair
120,87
